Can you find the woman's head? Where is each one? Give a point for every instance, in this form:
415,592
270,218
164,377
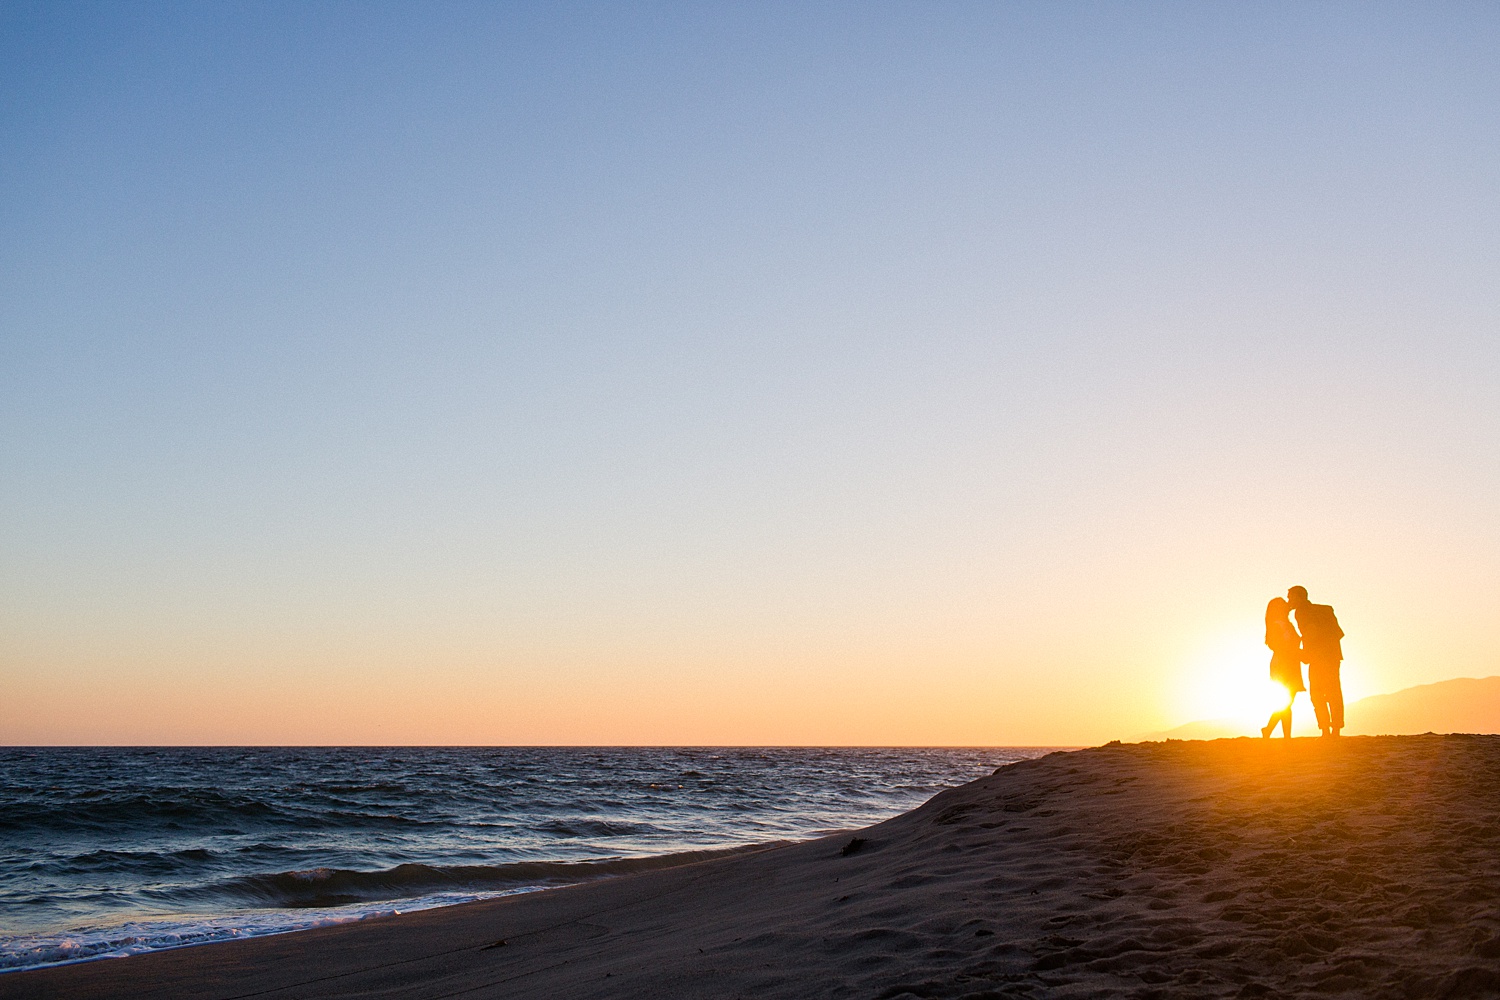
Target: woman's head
1276,611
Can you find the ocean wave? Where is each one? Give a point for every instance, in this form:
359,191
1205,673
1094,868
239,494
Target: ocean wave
324,887
192,811
138,863
570,827
73,813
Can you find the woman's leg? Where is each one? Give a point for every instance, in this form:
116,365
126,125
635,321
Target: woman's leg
1282,716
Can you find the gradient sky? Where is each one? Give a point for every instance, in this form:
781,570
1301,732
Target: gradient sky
684,373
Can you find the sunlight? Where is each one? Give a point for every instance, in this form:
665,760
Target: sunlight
1230,680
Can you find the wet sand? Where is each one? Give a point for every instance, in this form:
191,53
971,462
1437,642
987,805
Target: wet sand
1361,867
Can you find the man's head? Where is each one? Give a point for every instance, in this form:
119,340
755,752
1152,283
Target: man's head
1297,597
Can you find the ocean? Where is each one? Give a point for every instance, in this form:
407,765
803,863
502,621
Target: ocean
115,851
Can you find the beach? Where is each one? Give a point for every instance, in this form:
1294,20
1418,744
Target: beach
113,851
1361,866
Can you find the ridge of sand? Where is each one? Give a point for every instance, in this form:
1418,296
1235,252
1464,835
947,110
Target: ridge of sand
1363,867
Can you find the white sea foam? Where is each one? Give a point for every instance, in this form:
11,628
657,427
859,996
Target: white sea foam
135,937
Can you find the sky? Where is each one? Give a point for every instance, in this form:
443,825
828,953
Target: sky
736,373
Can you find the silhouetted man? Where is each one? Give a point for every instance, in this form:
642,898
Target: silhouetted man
1322,654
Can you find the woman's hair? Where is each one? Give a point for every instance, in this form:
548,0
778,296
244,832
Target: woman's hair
1275,615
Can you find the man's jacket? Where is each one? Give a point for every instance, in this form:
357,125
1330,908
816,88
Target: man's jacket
1320,633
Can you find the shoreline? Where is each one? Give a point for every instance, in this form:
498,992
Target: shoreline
139,850
1367,866
212,929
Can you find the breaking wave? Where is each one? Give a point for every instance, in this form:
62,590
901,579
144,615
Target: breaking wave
324,887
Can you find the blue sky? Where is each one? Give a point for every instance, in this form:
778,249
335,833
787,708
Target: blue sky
629,347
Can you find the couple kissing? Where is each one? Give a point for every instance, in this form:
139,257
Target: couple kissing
1313,640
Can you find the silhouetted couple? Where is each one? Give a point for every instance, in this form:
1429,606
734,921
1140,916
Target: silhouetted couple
1313,641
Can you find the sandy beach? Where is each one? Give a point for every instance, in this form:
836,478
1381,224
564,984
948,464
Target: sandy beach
1365,866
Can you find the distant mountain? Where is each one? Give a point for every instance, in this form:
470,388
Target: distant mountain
1206,729
1462,705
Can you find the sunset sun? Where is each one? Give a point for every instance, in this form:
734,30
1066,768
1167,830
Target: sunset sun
1228,681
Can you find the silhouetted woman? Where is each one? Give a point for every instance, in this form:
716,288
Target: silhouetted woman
1286,662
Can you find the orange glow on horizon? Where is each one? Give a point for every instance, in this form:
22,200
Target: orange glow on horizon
858,695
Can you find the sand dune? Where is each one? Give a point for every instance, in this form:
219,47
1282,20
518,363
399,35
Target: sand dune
1361,867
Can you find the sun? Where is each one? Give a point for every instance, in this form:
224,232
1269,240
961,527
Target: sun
1229,680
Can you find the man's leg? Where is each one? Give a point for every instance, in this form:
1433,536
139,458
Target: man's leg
1335,699
1316,684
